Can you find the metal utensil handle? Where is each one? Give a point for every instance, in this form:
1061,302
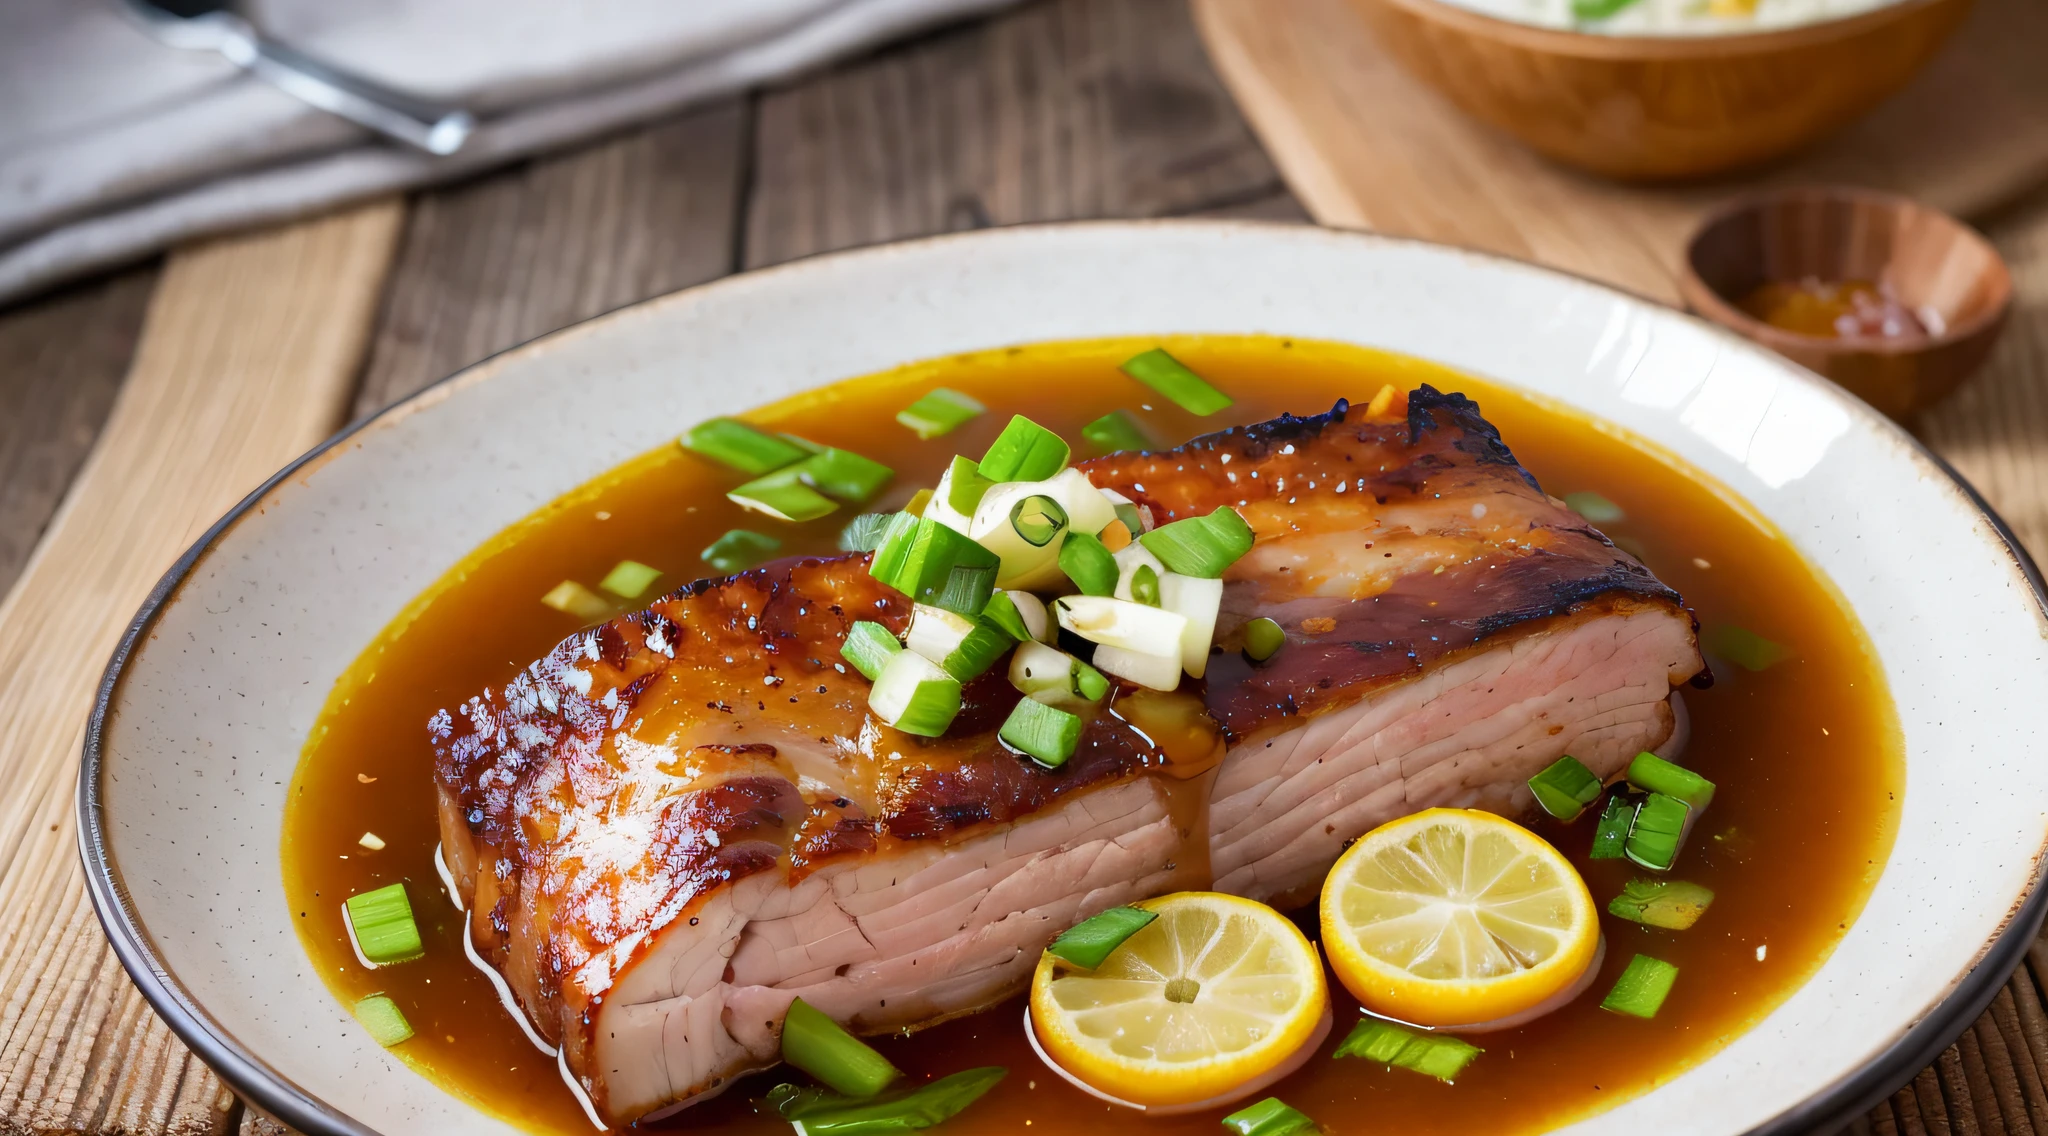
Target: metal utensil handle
433,129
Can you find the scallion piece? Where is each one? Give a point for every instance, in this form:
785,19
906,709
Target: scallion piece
629,579
1597,9
816,1044
1263,639
1658,830
1744,648
918,501
385,1021
963,646
844,475
1130,514
1024,451
1610,836
864,532
941,410
1089,684
1201,546
869,646
1642,987
739,550
1565,788
1115,432
1653,774
816,1112
1437,1055
914,695
574,599
1090,566
1145,586
1595,508
1674,905
381,927
936,565
1170,377
1088,942
1269,1117
1047,733
1121,623
1038,520
1051,675
782,495
729,441
965,486
1004,613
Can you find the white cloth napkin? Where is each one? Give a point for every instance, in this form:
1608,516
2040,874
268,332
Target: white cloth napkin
113,145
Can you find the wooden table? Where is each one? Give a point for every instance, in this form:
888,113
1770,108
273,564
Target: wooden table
135,408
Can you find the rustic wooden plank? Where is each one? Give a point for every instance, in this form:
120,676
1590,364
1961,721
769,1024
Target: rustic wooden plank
1079,108
522,252
61,361
248,355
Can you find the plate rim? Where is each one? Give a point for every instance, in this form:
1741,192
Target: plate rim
278,1096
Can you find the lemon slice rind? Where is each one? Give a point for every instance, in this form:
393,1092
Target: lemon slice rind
1257,1084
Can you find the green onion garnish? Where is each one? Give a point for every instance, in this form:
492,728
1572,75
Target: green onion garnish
1051,675
1088,942
1597,10
1269,1117
1641,989
1024,451
844,475
965,486
1132,517
1438,1055
1745,648
385,1021
1002,611
380,924
941,411
1145,586
1263,639
782,495
1565,788
914,695
1089,565
1170,377
1089,683
1201,546
1674,905
1045,732
1658,830
935,565
1653,774
1115,432
918,501
579,601
861,534
1610,836
732,442
817,1045
1595,508
816,1112
963,646
740,549
869,646
629,579
1039,520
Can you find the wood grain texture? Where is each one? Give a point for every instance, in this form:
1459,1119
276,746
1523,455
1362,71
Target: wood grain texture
248,355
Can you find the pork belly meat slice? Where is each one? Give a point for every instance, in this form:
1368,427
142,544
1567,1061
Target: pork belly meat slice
680,820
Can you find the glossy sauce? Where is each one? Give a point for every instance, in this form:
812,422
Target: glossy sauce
1838,309
1806,753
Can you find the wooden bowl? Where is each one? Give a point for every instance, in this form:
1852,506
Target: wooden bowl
1930,260
1658,108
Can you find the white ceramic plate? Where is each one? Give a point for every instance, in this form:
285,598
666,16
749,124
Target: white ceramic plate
205,706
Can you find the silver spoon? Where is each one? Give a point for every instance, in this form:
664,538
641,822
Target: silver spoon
213,25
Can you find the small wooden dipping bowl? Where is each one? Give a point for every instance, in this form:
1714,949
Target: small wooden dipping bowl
1929,259
1660,108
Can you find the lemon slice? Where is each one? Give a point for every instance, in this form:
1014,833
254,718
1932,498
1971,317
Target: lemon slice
1206,1003
1456,918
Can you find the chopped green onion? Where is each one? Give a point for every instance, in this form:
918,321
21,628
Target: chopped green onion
936,565
732,442
1132,517
869,646
1039,520
1045,732
1674,905
1201,546
1745,648
1051,675
861,534
1597,9
1658,830
1089,565
964,646
1145,668
1198,602
1565,788
629,579
1089,684
1121,623
1269,1117
1170,377
1263,639
385,1021
1595,508
1024,451
941,411
915,696
1002,611
782,495
816,1112
579,601
844,475
1653,774
739,550
1115,432
816,1044
1087,943
381,927
1610,836
1145,586
804,444
1642,987
965,486
1438,1055
918,502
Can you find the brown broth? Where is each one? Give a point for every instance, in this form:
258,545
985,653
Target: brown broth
1806,753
